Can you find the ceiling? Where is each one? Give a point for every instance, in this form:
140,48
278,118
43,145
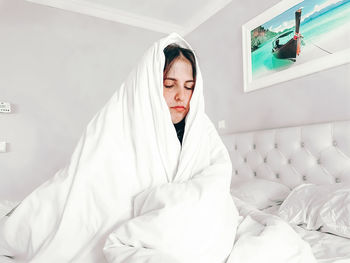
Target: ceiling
165,16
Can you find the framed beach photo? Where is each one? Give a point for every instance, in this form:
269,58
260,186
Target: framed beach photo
295,38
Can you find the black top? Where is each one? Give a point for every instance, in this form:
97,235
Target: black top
180,129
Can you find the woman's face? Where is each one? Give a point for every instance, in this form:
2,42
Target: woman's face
178,86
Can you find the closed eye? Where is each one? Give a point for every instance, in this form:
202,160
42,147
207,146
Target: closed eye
168,87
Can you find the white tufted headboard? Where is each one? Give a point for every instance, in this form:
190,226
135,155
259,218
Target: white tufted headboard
318,154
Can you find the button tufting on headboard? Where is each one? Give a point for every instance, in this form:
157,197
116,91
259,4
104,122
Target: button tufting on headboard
317,153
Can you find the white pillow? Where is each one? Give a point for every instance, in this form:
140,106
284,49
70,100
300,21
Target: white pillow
259,192
324,207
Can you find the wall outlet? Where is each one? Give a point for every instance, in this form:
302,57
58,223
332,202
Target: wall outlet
222,124
2,147
5,107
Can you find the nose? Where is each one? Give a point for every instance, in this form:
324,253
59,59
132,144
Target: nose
179,95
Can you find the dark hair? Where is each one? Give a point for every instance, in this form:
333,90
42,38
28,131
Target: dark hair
172,52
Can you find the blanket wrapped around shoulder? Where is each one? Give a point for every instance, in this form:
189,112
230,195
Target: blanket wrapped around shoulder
130,182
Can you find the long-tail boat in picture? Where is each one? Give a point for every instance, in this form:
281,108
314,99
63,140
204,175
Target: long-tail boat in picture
291,49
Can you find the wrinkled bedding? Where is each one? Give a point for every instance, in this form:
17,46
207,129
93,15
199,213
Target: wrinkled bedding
326,247
263,237
310,210
172,224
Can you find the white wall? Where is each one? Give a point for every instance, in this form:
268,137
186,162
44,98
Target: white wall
58,69
320,97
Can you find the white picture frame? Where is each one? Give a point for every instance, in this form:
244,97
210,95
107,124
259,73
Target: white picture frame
295,70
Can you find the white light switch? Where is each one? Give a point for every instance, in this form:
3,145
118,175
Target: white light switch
5,107
222,124
2,147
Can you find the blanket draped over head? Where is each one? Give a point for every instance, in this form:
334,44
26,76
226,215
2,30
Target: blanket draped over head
130,192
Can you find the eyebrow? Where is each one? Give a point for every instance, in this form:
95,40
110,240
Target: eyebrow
176,80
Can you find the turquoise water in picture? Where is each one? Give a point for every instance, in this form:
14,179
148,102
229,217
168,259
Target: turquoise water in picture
313,29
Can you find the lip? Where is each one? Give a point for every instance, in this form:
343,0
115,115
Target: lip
178,108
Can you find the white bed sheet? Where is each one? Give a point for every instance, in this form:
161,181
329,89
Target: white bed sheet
327,248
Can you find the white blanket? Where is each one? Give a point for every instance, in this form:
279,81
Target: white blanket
183,223
128,147
172,226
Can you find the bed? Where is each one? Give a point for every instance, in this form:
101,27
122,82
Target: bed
308,156
270,165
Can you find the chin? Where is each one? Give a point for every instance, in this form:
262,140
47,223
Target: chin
177,119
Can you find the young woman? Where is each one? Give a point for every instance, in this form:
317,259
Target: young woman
179,81
129,148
